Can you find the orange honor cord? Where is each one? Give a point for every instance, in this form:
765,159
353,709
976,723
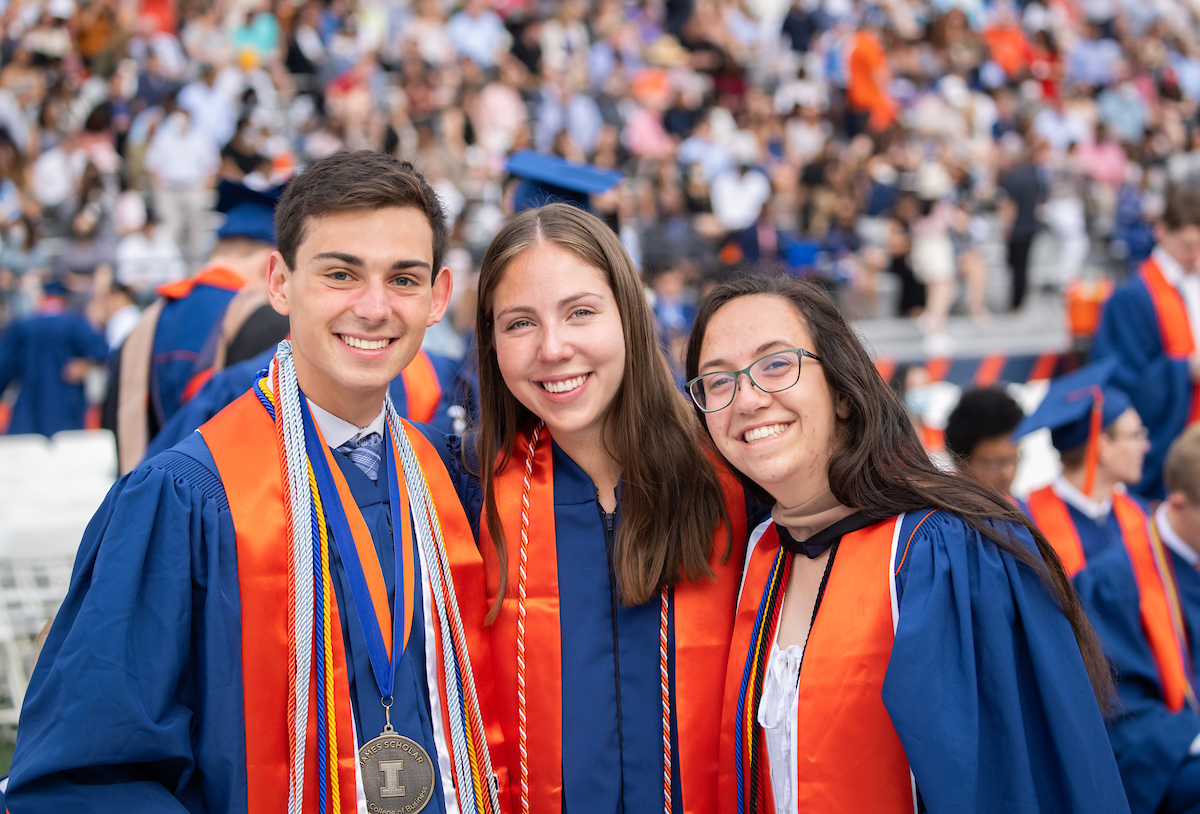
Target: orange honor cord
1093,443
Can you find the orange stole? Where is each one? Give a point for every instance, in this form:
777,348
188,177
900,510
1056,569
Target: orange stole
1152,602
703,625
242,441
215,276
849,756
1051,516
1173,324
421,388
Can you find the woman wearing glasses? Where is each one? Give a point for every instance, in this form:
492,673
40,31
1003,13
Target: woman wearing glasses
613,546
905,640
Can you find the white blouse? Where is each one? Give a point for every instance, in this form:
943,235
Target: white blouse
777,713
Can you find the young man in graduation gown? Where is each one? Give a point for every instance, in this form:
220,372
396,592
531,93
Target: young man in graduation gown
1150,327
1102,443
432,390
48,355
1144,603
156,368
297,580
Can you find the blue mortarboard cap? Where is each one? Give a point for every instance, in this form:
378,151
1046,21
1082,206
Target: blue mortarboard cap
55,287
248,212
1067,408
547,179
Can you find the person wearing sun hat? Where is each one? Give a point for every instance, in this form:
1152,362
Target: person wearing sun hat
1102,444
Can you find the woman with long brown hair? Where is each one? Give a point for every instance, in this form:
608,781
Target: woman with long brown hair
905,639
612,544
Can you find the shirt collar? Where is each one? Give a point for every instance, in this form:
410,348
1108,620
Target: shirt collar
338,431
1168,266
1172,540
1096,511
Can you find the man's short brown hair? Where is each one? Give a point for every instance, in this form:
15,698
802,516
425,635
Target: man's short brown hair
1182,210
345,182
1182,468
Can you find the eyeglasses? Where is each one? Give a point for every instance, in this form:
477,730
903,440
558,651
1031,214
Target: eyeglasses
770,374
997,465
1140,434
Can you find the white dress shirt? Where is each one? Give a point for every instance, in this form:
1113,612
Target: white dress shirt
1098,512
338,431
777,714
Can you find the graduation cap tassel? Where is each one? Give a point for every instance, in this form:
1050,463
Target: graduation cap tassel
1093,447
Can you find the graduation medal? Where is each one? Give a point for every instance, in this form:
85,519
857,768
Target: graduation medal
402,767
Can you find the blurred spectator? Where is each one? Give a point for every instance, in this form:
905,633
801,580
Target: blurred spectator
183,162
146,258
49,354
210,107
478,33
1023,192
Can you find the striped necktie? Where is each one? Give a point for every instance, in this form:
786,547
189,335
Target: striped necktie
365,453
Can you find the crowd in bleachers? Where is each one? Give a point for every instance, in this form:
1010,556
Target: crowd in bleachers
829,138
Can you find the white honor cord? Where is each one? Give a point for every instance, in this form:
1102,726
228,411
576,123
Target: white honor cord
451,620
288,400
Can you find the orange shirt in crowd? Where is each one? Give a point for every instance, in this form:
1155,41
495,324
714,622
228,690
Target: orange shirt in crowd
1009,46
868,76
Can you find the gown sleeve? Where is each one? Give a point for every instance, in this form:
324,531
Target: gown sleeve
986,686
1151,742
108,720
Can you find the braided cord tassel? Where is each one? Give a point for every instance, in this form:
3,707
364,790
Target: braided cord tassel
288,407
522,578
429,533
665,676
272,396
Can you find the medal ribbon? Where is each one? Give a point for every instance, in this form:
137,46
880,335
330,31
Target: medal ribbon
360,560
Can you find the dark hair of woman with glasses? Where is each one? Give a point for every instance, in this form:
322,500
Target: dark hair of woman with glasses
905,639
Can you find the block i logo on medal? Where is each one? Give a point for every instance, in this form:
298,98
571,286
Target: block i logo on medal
397,775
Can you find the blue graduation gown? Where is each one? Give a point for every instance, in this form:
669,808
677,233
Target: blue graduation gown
986,687
457,404
179,338
1151,742
612,745
33,353
136,701
1159,387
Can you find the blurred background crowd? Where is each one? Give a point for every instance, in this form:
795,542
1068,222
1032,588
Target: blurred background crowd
881,148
